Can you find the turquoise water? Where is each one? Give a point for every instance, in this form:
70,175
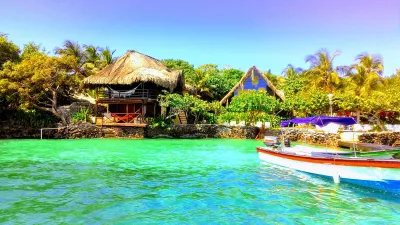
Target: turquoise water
109,181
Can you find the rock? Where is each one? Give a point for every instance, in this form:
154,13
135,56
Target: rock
83,129
316,138
80,129
202,131
387,138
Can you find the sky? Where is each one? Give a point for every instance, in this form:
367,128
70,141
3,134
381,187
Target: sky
269,34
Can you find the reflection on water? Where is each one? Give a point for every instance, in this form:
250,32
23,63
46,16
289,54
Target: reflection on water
171,181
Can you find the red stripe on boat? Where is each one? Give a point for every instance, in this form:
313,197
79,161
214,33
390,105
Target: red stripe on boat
335,161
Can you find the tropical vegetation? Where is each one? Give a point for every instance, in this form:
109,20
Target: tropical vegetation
37,82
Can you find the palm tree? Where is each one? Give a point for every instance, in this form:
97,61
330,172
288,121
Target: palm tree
290,71
199,82
321,70
365,74
71,48
106,56
92,54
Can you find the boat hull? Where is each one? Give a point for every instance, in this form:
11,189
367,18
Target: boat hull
380,174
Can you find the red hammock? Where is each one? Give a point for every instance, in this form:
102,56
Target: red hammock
124,118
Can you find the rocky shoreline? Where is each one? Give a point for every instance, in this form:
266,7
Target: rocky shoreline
88,130
387,138
189,131
315,138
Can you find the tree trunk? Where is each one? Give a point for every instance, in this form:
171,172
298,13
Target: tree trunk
358,116
54,109
378,122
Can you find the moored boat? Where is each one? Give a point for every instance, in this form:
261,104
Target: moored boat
377,173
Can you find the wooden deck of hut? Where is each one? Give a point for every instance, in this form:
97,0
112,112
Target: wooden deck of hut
128,89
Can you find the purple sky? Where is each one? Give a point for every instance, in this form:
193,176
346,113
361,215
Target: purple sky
228,33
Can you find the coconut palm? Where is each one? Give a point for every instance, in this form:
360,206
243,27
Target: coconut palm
91,54
321,72
364,77
92,62
199,82
290,71
106,56
366,74
71,48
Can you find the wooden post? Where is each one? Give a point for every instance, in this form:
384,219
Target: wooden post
95,109
143,111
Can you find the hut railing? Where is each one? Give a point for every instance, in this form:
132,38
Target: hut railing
138,94
136,118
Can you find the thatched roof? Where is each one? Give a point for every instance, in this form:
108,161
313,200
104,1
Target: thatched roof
190,89
251,71
136,67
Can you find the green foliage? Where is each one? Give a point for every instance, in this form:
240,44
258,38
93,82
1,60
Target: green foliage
193,107
38,80
31,49
161,121
252,107
106,56
8,51
34,79
321,74
177,64
81,115
222,82
254,101
208,80
365,75
275,79
30,118
88,60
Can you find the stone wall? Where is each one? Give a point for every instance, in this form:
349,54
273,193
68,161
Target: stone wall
310,137
88,130
389,138
203,131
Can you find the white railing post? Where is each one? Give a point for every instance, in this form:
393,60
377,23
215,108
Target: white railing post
41,130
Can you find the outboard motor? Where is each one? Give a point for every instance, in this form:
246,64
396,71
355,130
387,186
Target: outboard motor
271,141
287,142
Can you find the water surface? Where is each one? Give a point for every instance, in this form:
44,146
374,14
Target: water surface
106,181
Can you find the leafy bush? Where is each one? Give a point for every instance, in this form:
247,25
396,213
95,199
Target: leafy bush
193,107
81,115
161,121
30,118
252,107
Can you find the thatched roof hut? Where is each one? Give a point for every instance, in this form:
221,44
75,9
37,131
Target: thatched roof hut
250,72
136,67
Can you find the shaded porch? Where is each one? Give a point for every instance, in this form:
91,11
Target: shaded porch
127,113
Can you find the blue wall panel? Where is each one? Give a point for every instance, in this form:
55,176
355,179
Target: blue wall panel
253,83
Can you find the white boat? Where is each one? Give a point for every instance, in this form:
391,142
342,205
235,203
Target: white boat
382,174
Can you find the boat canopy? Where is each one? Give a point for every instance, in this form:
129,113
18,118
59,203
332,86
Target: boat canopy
320,121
